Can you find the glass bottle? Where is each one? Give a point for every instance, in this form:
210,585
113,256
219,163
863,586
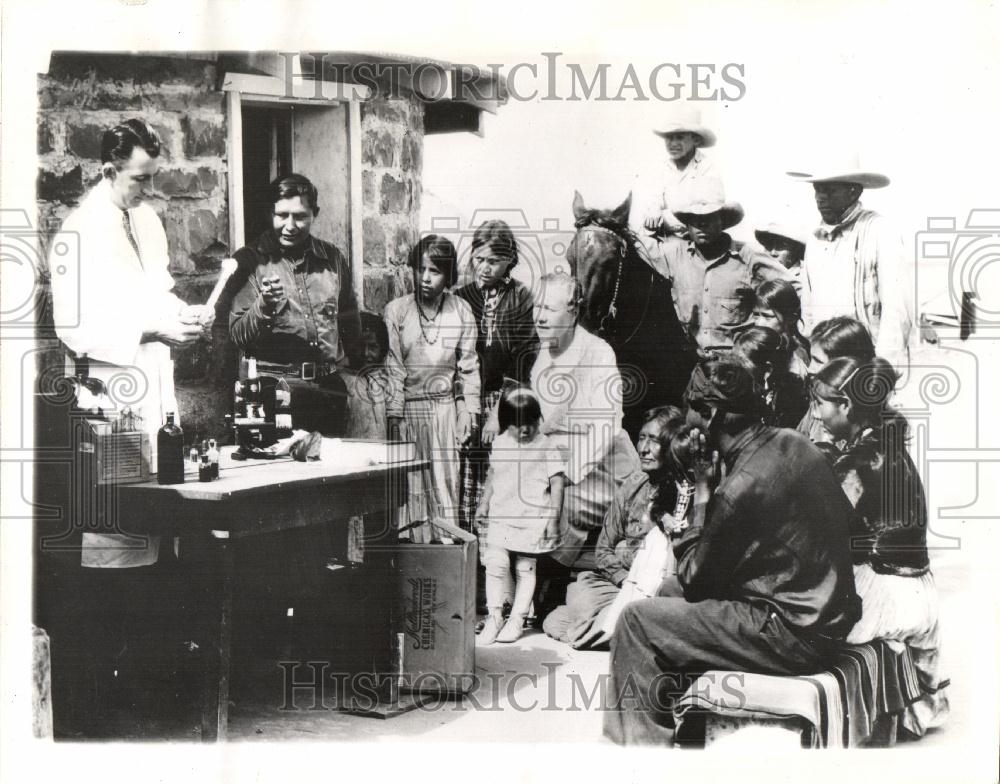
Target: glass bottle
170,453
213,457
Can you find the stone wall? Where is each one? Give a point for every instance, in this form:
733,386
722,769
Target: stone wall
392,162
84,94
79,98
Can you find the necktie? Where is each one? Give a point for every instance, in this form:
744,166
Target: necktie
127,223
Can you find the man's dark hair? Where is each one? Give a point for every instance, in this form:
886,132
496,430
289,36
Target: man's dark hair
119,142
294,185
726,384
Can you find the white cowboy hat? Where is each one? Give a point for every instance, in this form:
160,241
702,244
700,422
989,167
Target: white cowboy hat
732,212
688,120
844,169
780,230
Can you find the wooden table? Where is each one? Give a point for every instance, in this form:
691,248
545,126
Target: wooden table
250,499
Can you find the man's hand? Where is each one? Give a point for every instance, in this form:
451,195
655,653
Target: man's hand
202,315
705,465
175,333
271,292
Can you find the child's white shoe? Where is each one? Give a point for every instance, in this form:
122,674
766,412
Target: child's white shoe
490,630
512,630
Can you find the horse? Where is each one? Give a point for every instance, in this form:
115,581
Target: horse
630,305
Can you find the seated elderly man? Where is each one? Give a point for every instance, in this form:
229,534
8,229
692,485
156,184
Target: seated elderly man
657,495
576,379
765,567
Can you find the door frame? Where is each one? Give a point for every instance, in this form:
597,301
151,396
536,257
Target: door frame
253,89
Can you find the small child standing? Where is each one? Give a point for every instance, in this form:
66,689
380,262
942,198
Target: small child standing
521,507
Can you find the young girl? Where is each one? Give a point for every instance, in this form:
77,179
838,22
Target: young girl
782,393
522,501
889,526
840,336
777,306
433,381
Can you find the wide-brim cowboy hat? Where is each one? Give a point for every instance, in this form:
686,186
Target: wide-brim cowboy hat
688,121
844,169
780,230
731,211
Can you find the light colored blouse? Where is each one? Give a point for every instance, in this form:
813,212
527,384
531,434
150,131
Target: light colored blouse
431,357
580,393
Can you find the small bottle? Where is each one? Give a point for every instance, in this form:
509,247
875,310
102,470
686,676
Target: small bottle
193,455
204,470
213,457
170,453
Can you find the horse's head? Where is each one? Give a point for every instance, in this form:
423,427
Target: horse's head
597,255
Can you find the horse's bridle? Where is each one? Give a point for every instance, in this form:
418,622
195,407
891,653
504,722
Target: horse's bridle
622,250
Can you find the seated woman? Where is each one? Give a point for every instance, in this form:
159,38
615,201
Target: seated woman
782,393
889,525
433,375
656,496
576,379
840,336
777,306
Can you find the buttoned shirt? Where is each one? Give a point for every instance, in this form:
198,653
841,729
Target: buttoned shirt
626,524
314,320
776,530
103,300
698,180
714,297
857,268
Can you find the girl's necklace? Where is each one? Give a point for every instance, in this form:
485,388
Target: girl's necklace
432,319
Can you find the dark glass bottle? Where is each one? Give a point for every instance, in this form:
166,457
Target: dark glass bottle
170,453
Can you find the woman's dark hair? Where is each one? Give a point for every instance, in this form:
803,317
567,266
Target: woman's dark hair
119,142
497,236
440,251
294,185
370,322
781,297
843,336
673,424
760,346
518,406
867,385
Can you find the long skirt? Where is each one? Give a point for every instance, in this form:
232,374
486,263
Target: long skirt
905,609
433,491
475,464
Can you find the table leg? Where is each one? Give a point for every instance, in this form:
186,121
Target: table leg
215,701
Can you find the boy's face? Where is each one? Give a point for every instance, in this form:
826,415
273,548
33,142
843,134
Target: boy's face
370,349
680,145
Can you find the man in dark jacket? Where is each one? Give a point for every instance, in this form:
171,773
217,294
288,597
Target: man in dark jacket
296,312
765,568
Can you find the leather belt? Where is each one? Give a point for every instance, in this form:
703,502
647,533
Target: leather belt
307,371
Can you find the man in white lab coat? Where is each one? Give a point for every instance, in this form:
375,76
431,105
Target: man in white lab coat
120,314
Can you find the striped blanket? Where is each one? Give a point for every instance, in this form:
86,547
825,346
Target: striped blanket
839,707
